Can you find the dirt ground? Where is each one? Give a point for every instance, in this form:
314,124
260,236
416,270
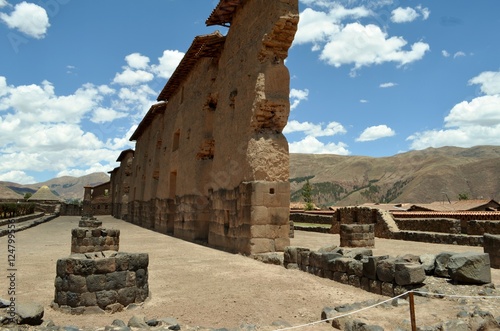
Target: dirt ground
200,286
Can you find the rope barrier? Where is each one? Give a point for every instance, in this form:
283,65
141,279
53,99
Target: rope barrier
343,315
458,296
385,301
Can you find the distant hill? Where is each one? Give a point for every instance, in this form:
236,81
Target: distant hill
66,187
424,176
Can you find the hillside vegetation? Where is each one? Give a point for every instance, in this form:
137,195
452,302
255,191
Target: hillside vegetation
422,176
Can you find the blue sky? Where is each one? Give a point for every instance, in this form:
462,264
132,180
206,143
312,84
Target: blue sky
372,78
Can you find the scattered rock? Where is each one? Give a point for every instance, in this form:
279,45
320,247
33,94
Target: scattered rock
470,267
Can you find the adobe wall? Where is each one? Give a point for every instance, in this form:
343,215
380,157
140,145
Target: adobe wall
211,164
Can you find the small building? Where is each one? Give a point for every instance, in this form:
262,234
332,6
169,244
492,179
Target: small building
460,205
97,199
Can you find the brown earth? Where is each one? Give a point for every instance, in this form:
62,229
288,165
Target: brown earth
200,286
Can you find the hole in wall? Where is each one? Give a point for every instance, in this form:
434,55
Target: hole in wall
271,191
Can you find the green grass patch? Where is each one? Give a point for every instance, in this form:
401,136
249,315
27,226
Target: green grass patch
312,225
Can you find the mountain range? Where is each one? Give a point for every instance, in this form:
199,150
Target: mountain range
424,176
433,174
67,187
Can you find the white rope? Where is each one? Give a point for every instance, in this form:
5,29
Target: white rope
382,302
343,315
458,296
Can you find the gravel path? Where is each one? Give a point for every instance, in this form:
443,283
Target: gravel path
200,286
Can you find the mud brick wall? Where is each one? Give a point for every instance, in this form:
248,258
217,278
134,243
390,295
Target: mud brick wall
109,283
357,235
492,247
86,240
441,225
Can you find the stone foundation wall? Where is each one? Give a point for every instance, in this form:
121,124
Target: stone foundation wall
441,225
480,227
308,218
351,270
492,247
251,219
85,240
357,235
110,283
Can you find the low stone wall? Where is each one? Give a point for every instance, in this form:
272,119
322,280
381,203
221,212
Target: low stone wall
441,225
85,240
111,282
347,267
439,238
357,235
310,218
492,247
387,275
480,227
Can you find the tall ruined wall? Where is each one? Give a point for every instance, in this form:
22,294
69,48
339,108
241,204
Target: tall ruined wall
213,165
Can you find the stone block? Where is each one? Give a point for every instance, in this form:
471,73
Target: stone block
259,215
358,253
127,295
105,298
375,286
355,267
409,274
96,283
491,246
105,265
116,280
88,299
281,243
470,268
441,264
387,289
341,264
386,269
428,261
269,231
261,245
370,266
365,284
77,284
355,281
304,258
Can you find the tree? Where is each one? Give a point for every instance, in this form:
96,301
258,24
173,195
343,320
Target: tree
307,195
463,196
27,195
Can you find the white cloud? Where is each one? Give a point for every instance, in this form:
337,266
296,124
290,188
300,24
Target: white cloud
296,96
482,111
408,14
39,103
45,131
469,123
366,45
137,61
363,101
458,54
133,77
425,12
102,115
388,84
17,176
3,3
489,81
167,63
311,145
404,15
314,130
28,18
445,53
376,132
